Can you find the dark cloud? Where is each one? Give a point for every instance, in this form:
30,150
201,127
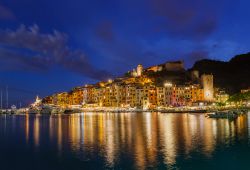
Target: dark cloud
193,56
6,13
206,27
153,28
198,55
186,18
27,48
105,31
176,11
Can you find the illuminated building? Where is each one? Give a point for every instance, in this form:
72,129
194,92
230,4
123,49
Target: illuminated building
139,96
61,99
245,90
37,102
207,85
139,90
48,100
197,93
139,70
88,94
178,96
155,68
131,95
76,96
221,96
168,93
161,98
174,66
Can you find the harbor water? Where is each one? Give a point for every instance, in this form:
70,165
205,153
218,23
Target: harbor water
123,141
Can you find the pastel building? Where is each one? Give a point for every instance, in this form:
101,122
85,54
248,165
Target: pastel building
140,91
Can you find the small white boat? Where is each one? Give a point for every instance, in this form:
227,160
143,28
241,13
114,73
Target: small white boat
13,109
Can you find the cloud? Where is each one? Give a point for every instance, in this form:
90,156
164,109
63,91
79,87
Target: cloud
186,18
104,31
192,56
135,34
198,55
6,13
29,49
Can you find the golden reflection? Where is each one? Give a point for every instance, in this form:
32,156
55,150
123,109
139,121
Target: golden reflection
139,146
209,135
51,128
36,131
59,133
110,139
139,136
187,134
75,132
88,129
168,137
27,127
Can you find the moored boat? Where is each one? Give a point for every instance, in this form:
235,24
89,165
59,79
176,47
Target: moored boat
13,109
223,115
68,111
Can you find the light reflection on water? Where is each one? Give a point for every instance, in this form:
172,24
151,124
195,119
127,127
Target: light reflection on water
134,140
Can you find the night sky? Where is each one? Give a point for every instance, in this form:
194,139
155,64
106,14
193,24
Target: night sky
49,46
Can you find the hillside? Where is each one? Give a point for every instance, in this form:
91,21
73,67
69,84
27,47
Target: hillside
233,75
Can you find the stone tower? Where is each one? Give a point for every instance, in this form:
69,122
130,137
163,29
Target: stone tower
207,83
139,70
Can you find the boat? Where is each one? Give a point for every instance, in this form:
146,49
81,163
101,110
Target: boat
68,111
5,111
223,115
13,109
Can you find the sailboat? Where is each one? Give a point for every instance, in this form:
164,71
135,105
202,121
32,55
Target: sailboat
1,110
5,111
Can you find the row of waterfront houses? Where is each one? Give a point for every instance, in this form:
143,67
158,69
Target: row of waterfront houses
138,91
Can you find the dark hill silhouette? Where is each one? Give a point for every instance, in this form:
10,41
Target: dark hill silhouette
233,75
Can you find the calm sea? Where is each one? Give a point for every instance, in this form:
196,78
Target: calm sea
123,141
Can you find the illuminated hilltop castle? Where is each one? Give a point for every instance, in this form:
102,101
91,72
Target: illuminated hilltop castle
168,66
138,72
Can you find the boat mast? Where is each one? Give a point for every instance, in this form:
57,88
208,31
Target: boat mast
7,98
1,99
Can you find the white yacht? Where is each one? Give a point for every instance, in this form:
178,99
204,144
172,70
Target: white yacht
13,109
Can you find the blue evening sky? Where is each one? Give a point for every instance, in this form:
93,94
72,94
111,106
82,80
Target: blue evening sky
48,46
